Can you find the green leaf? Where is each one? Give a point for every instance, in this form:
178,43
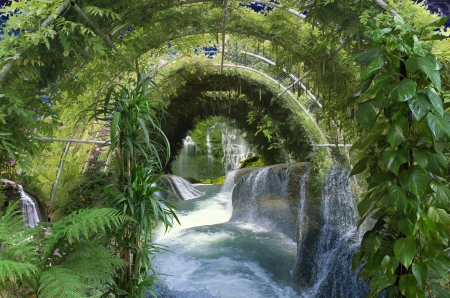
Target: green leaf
421,157
414,180
427,227
438,126
407,285
441,195
437,166
398,132
372,69
438,23
441,264
368,112
381,82
419,106
436,101
364,205
405,226
358,92
404,250
370,137
393,159
433,249
376,33
370,243
439,290
397,198
420,272
414,64
417,48
369,54
360,166
113,128
403,91
439,215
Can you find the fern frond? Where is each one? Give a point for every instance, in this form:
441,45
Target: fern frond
89,222
60,282
13,272
95,265
11,223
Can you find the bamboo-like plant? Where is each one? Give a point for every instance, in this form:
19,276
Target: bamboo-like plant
141,149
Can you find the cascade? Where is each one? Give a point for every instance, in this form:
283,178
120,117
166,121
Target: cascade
235,149
209,157
179,188
337,241
30,208
228,184
186,163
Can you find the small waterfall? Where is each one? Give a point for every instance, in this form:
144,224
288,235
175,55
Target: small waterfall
234,147
209,157
180,188
30,208
338,240
302,218
186,162
228,184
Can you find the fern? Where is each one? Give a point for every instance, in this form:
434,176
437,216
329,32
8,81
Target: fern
11,223
14,272
60,282
93,264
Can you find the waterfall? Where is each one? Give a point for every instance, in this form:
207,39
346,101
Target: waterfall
234,147
337,241
228,184
209,157
179,188
29,208
186,162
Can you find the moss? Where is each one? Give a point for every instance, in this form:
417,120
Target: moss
252,162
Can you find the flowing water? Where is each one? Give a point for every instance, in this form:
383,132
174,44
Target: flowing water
212,256
30,208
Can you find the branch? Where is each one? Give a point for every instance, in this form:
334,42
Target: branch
386,6
44,24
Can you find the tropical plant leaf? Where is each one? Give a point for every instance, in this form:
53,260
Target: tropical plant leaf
436,101
368,112
60,282
407,285
373,68
420,272
369,54
439,127
414,180
393,159
14,272
419,106
397,198
404,250
404,90
398,131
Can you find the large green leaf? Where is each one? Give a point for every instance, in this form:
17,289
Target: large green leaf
404,250
397,198
360,166
420,272
441,264
441,195
407,285
398,132
421,157
405,226
427,227
373,68
427,65
436,101
438,126
370,243
393,159
419,105
432,249
368,112
404,90
414,180
439,215
369,54
437,166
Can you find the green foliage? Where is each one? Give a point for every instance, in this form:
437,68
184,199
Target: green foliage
403,252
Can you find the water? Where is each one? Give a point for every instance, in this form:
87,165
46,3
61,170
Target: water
29,208
235,149
186,161
214,258
178,188
280,241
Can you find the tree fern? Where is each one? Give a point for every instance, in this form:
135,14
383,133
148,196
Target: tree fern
61,282
11,223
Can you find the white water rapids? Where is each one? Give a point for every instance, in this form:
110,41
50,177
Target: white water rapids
213,258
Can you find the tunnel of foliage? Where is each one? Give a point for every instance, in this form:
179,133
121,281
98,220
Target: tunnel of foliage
135,74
